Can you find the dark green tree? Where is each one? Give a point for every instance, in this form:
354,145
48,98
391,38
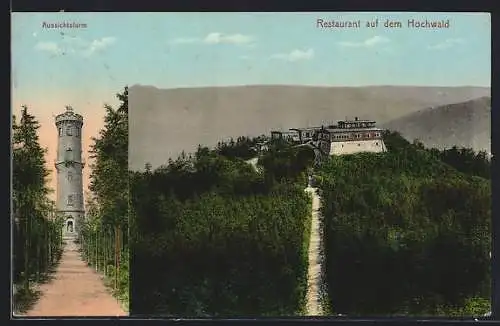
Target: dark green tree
37,231
104,237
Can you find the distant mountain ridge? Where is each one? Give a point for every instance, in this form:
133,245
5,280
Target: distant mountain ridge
465,124
164,122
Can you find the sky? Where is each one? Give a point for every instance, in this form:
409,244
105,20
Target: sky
85,67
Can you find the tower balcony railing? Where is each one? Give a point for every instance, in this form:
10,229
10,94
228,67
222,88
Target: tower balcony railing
69,162
75,118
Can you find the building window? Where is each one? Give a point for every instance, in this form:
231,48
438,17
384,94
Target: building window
60,131
359,144
376,143
71,200
69,131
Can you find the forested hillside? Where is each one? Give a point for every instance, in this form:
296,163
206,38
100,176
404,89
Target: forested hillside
407,231
211,236
465,124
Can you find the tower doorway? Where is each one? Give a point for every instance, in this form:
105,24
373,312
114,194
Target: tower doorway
69,226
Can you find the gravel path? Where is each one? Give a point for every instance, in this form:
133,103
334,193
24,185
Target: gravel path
313,304
76,290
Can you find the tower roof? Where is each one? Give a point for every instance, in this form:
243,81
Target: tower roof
69,115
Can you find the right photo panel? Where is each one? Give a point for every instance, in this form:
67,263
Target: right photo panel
310,164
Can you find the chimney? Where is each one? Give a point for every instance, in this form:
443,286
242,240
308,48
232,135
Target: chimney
356,119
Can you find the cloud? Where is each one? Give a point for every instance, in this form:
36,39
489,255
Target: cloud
50,47
371,42
98,45
75,45
217,38
294,55
446,44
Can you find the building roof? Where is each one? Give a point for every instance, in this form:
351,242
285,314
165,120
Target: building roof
305,129
340,130
357,121
283,132
339,127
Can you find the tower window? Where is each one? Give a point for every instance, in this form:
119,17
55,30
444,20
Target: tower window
60,131
69,154
70,176
77,132
71,200
69,131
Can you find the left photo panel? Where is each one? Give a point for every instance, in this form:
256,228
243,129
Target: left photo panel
69,142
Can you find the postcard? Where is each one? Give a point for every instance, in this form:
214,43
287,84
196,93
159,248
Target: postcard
233,165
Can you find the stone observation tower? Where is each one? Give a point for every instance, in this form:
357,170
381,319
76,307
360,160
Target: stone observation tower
69,168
